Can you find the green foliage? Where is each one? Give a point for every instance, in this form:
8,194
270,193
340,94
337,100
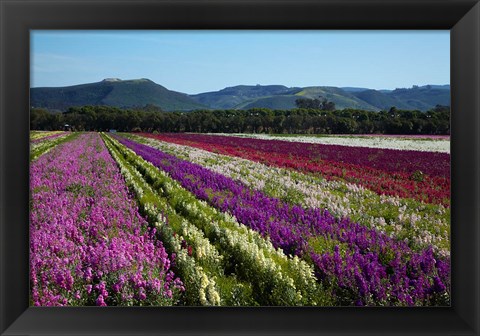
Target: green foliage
316,103
417,176
80,189
255,120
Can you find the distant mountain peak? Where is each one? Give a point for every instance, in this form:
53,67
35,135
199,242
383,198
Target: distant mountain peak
139,80
131,93
112,80
143,80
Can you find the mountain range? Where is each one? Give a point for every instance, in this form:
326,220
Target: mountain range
141,92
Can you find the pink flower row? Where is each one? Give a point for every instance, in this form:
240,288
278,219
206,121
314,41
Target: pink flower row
88,243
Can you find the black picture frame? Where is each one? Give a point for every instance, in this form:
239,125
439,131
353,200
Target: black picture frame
18,17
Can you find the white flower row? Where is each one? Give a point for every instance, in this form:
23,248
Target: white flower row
202,284
260,254
45,146
422,224
437,145
197,281
41,134
292,280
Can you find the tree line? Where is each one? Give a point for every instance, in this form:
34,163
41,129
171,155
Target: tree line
319,103
256,120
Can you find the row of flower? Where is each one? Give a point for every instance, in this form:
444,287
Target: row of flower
35,135
42,136
399,173
221,261
419,224
88,243
232,260
258,273
387,142
44,144
399,136
391,161
361,265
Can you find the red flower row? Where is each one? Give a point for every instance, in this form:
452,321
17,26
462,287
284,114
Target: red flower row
389,160
405,184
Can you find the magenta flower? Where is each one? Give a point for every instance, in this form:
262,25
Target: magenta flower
86,232
100,302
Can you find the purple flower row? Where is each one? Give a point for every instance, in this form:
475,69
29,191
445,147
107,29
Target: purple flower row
88,243
369,267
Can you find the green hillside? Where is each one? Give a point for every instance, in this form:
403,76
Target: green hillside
113,92
381,100
273,102
341,98
240,95
422,98
141,92
277,97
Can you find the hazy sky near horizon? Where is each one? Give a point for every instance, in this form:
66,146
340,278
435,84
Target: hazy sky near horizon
202,61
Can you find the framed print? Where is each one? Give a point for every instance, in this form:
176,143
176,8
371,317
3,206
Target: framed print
335,194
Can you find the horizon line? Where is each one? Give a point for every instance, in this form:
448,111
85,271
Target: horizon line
114,79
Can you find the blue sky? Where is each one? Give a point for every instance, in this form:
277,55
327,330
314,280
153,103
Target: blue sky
201,61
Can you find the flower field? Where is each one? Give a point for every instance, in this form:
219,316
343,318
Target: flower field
416,143
42,142
38,135
405,174
195,219
88,243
